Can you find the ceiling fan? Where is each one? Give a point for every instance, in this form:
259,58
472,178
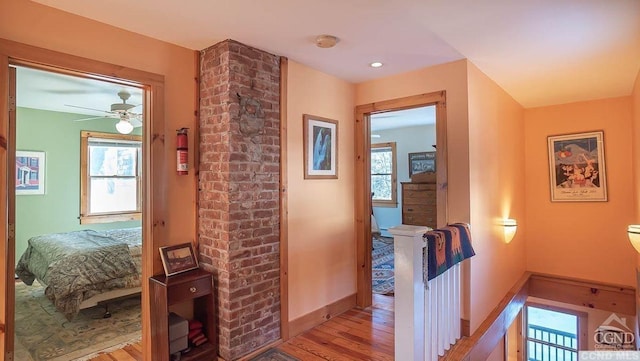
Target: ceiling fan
122,111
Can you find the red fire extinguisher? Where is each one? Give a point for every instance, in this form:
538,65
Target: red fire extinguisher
183,152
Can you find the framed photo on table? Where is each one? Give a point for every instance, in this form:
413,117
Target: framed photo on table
577,167
320,147
179,258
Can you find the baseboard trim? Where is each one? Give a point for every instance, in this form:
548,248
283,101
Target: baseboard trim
465,327
314,318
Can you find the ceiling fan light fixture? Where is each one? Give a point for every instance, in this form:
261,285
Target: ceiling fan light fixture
124,126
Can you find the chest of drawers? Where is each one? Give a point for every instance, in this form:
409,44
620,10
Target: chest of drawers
419,204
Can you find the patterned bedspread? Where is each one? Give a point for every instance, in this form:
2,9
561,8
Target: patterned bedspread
75,266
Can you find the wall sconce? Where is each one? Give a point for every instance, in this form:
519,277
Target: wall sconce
634,236
510,227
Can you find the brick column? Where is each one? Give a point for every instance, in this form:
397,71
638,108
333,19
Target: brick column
238,192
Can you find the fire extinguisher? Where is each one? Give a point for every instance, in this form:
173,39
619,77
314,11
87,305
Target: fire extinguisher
183,152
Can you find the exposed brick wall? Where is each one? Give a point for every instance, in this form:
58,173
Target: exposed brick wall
238,198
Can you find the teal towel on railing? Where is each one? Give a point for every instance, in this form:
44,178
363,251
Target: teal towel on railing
446,247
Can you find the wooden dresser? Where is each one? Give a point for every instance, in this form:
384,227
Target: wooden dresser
419,204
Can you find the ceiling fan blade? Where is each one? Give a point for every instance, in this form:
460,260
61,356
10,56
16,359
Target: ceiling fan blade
97,110
91,118
78,91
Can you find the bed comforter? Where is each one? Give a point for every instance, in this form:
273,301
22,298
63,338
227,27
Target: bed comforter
75,266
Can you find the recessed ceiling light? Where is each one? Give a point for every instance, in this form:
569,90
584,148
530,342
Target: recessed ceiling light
375,64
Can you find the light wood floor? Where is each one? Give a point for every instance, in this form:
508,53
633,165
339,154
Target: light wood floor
353,335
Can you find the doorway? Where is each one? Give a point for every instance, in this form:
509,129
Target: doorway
364,201
398,139
79,142
16,54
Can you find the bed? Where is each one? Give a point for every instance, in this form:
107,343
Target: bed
83,268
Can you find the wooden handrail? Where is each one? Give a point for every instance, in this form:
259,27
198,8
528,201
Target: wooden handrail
603,296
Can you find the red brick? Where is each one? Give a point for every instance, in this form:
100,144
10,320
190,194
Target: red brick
238,194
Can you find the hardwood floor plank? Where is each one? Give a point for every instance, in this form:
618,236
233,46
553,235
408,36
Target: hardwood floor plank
319,350
135,350
122,355
326,340
358,340
383,302
355,335
299,353
373,352
362,325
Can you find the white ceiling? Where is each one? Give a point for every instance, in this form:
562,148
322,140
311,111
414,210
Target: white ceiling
69,94
403,118
541,52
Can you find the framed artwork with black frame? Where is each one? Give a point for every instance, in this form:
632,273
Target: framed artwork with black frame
421,162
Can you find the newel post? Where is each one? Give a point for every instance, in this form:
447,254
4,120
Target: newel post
409,292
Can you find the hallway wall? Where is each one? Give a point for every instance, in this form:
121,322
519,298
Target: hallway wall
585,240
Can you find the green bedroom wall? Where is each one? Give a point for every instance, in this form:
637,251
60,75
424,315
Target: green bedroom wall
58,209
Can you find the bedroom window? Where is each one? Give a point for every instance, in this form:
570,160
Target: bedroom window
383,175
111,177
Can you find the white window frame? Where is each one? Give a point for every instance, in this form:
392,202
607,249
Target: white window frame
393,202
86,217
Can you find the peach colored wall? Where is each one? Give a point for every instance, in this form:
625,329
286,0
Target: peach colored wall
451,77
38,25
322,261
482,120
635,99
496,178
586,239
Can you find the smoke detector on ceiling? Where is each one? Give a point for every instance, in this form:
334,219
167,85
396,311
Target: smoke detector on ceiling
326,41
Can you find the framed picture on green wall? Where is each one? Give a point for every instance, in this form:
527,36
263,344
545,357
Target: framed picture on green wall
30,172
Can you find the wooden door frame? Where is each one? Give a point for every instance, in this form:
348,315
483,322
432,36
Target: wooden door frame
363,177
154,168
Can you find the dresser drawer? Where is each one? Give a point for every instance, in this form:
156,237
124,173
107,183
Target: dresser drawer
420,219
421,187
419,198
418,208
188,290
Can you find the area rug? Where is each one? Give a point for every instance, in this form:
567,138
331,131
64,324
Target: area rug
382,266
42,333
274,355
